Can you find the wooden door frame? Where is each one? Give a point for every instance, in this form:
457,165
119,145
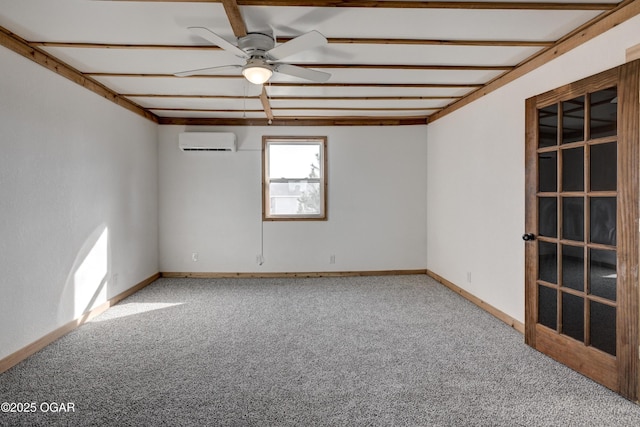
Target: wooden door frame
627,78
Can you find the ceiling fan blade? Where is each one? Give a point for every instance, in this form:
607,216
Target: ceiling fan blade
208,70
209,35
306,41
303,73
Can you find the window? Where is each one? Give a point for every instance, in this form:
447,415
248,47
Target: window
294,178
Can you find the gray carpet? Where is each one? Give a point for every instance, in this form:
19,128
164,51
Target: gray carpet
365,351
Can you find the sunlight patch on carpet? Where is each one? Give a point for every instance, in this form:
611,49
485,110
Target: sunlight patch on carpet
132,309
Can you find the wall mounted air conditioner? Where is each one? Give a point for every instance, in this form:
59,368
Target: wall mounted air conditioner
207,141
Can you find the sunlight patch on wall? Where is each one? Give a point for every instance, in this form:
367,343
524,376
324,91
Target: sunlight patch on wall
89,280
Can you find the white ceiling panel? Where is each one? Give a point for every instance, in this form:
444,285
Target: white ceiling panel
417,23
141,60
417,55
111,21
295,113
210,115
237,86
200,103
371,91
342,103
353,75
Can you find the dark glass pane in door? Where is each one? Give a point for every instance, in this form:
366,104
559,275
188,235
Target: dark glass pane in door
547,307
603,167
548,126
602,273
548,216
603,220
604,113
573,316
573,218
573,120
548,172
548,262
573,169
602,324
573,267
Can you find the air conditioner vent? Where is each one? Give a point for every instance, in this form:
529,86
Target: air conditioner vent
207,141
206,149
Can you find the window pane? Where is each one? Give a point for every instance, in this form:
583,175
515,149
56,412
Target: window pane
309,200
602,323
297,197
603,220
548,126
547,307
573,316
602,273
548,216
294,160
573,169
604,113
548,172
573,218
603,167
547,262
573,120
573,267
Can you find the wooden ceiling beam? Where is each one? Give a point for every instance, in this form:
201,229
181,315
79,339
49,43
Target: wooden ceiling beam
164,75
436,42
182,96
409,67
264,99
293,98
271,109
296,121
507,5
209,110
343,40
235,18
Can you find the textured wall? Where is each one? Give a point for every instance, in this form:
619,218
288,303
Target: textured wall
78,201
476,176
210,203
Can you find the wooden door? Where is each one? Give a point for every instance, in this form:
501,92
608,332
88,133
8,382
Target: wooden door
581,303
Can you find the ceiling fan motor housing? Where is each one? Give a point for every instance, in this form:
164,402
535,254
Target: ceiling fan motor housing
256,44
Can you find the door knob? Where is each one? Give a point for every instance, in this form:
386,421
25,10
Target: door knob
528,236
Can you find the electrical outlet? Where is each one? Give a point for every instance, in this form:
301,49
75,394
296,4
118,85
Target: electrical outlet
194,257
468,276
259,259
332,259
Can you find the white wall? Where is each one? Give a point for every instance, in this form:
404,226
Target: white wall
476,175
78,201
210,203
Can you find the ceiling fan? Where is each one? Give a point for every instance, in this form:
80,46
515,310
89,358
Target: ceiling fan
262,55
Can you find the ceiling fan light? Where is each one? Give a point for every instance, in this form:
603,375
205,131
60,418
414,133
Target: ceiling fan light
257,74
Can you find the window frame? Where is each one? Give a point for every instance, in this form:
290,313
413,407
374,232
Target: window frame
267,141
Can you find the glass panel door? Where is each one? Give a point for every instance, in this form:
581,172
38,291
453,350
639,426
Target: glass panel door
582,214
577,194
